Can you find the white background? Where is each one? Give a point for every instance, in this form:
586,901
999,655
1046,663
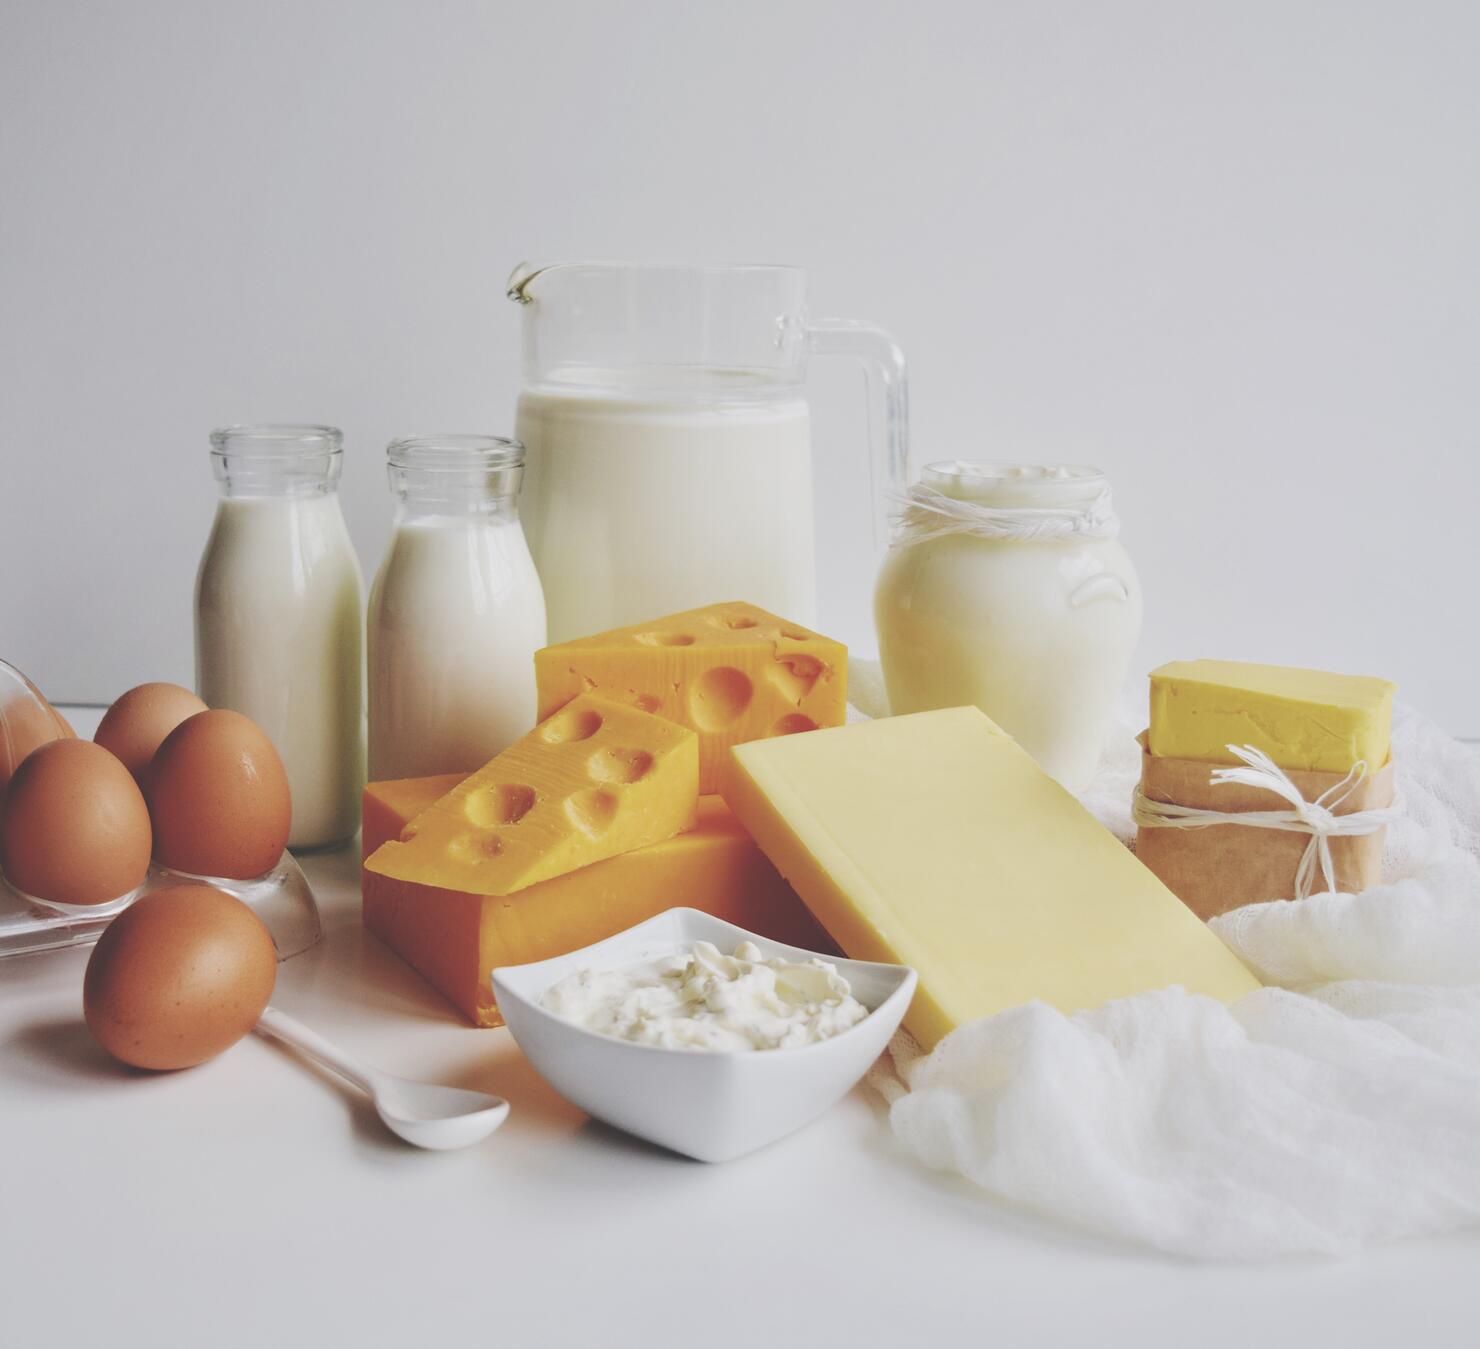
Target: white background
1225,251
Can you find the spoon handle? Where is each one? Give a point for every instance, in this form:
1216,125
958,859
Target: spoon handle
280,1026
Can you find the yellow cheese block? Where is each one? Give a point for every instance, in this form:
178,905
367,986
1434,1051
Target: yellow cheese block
454,939
933,840
594,780
1302,719
732,672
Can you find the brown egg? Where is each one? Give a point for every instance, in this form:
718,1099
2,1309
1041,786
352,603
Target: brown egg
136,725
218,796
26,721
74,828
177,977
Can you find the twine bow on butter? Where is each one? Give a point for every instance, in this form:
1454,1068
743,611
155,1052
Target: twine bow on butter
1317,818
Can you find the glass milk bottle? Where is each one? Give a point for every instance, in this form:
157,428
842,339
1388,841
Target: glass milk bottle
278,631
456,610
1007,587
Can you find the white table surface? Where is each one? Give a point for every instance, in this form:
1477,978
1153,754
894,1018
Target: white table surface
256,1200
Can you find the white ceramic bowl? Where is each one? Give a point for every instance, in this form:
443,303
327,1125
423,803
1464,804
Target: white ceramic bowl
709,1105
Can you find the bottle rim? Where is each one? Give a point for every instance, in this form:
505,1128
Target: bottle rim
455,452
276,440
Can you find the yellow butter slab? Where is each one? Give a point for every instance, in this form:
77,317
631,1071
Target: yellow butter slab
731,672
933,840
594,780
454,938
1302,719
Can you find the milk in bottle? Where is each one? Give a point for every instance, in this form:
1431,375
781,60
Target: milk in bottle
456,610
278,631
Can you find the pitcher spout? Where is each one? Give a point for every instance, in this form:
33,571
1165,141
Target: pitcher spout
517,288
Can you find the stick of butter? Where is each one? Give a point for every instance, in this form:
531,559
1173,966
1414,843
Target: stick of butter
1302,719
934,840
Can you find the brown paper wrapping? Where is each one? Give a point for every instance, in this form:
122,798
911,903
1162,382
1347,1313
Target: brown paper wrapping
1224,866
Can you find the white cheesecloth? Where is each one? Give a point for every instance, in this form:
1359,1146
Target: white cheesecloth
1338,1106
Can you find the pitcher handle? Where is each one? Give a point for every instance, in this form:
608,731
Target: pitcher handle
888,400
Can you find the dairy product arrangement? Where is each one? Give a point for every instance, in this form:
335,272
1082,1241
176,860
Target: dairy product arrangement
633,715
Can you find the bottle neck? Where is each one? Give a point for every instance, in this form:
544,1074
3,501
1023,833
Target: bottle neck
421,497
460,477
277,461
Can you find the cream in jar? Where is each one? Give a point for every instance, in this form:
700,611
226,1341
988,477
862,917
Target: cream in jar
1006,587
703,999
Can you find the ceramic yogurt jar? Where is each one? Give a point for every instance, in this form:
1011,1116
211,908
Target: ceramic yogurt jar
1007,587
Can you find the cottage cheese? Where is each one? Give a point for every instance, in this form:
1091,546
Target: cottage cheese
706,1000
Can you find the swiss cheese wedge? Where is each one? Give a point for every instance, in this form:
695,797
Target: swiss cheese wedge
592,781
454,938
732,672
934,840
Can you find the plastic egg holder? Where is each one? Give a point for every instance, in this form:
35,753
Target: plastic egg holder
281,897
26,720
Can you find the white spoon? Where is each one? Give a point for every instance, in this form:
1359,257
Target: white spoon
420,1112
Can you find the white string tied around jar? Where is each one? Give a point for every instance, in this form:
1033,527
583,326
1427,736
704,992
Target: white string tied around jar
923,513
1317,818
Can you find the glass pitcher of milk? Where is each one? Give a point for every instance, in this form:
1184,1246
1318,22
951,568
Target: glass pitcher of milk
666,422
456,611
278,622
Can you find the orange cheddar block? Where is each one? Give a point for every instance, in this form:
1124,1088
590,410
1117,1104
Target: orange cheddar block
594,780
732,672
454,938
